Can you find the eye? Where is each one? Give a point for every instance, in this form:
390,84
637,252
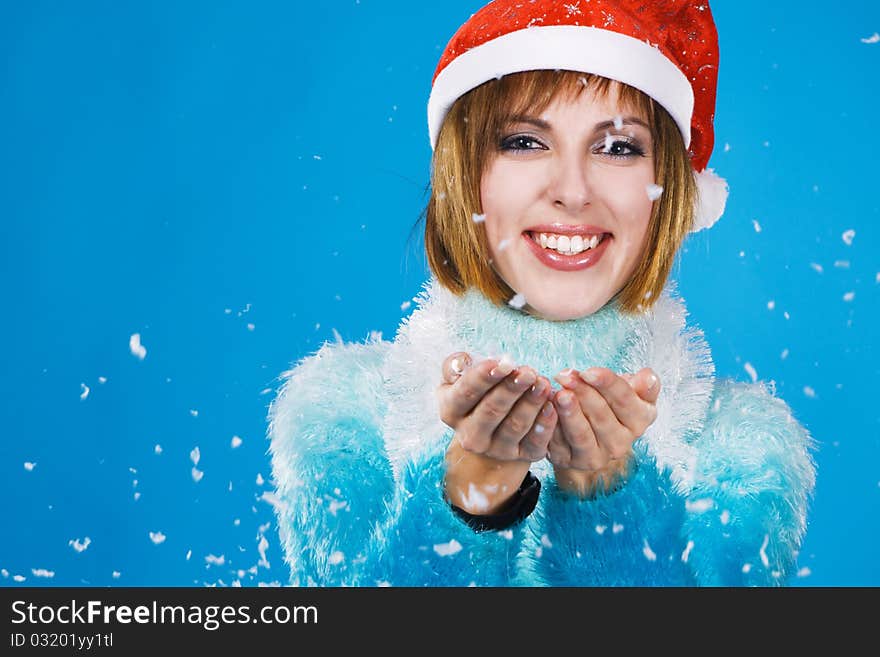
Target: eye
521,143
619,147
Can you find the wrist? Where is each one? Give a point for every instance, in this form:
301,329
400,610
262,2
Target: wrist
478,484
588,484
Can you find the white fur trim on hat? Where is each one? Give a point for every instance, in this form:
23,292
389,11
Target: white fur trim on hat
565,47
711,199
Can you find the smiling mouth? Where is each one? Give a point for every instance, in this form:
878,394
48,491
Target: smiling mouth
567,245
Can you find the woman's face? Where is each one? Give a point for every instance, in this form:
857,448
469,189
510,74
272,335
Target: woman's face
581,173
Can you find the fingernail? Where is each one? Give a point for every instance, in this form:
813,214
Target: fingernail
565,399
524,378
566,377
538,389
547,411
456,366
652,381
504,367
591,376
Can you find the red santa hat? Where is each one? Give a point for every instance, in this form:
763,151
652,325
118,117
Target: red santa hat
668,49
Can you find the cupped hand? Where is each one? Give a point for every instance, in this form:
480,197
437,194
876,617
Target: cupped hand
503,421
601,415
497,410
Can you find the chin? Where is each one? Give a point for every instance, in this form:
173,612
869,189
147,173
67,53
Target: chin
563,312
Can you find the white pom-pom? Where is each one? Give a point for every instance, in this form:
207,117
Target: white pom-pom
711,199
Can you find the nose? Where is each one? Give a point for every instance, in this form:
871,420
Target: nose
569,186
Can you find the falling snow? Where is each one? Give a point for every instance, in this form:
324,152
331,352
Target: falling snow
85,391
848,236
849,296
654,191
157,449
335,558
42,572
261,548
475,498
137,349
648,552
751,370
215,561
235,442
518,301
197,475
771,304
817,267
685,554
700,505
195,455
874,38
157,537
804,572
29,466
503,244
763,551
447,549
478,218
78,545
809,392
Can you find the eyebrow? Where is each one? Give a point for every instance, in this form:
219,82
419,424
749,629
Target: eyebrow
604,125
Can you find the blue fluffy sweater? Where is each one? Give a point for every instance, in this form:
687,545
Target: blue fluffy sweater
718,496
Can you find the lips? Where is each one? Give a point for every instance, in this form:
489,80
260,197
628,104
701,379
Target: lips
568,229
555,260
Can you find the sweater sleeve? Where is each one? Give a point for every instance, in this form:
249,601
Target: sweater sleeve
628,537
423,542
746,513
331,476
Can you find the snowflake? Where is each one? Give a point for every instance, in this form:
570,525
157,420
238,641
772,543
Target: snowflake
573,9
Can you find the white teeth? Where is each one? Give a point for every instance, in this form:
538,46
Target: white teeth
566,245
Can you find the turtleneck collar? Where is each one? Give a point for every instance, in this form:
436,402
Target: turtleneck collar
549,346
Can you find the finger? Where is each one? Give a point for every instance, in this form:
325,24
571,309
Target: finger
525,409
459,399
494,419
558,451
647,385
454,366
627,407
533,446
579,434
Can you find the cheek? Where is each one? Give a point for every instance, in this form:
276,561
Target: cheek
628,196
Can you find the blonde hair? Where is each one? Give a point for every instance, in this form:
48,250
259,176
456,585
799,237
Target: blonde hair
456,245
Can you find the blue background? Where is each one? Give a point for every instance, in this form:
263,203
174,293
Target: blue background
238,182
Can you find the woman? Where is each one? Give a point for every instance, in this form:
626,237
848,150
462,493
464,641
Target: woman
570,151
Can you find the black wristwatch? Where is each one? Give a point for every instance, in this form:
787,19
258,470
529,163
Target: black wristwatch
518,508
